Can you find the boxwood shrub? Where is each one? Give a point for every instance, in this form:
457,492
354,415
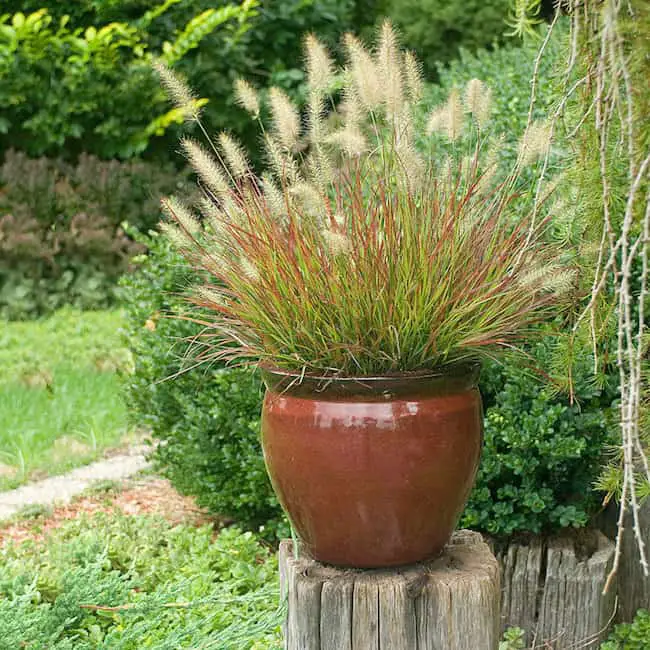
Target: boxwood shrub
206,420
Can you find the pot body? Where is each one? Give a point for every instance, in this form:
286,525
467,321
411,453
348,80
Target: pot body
373,472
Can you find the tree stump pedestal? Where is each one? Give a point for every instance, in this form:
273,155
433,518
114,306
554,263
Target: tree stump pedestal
449,603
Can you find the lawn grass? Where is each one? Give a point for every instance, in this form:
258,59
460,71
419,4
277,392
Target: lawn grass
60,399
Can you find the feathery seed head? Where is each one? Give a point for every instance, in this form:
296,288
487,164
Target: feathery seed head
478,98
320,167
316,109
234,156
351,107
176,237
178,91
535,143
320,69
274,197
550,278
454,116
247,98
447,119
413,75
309,198
364,73
282,163
249,270
175,209
213,217
388,66
211,296
336,242
208,169
350,140
286,119
436,120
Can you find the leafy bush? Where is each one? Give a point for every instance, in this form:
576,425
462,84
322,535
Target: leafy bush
60,236
174,586
541,453
436,29
207,419
65,89
631,636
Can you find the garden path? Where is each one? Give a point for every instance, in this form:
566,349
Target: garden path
61,489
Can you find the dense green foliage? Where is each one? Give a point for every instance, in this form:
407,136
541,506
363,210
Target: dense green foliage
103,98
174,587
631,636
541,453
208,417
436,29
65,89
60,401
61,239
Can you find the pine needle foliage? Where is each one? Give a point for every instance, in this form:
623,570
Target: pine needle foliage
356,254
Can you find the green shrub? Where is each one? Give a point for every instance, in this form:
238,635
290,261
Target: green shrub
541,454
437,29
207,419
631,636
174,586
66,89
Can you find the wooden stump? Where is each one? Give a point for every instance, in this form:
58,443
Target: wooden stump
450,603
553,591
634,585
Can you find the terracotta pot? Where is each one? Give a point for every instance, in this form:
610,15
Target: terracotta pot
373,472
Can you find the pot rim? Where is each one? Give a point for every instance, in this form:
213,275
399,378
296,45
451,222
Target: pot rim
454,377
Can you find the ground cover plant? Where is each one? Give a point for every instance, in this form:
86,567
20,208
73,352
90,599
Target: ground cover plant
123,582
60,395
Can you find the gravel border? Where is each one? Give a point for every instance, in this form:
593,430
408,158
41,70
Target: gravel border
61,489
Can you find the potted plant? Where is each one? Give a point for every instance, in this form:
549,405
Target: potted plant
366,272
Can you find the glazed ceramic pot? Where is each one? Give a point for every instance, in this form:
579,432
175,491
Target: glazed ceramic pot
373,472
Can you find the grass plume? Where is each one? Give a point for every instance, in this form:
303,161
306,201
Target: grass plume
384,263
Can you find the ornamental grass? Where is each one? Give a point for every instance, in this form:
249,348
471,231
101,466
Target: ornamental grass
372,244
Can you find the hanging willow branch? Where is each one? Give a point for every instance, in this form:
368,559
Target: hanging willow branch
601,58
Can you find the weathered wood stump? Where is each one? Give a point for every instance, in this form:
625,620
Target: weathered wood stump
553,591
450,603
633,584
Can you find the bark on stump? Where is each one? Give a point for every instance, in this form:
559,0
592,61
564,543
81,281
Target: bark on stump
450,603
553,591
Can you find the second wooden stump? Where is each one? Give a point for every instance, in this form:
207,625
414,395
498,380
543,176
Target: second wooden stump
450,603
